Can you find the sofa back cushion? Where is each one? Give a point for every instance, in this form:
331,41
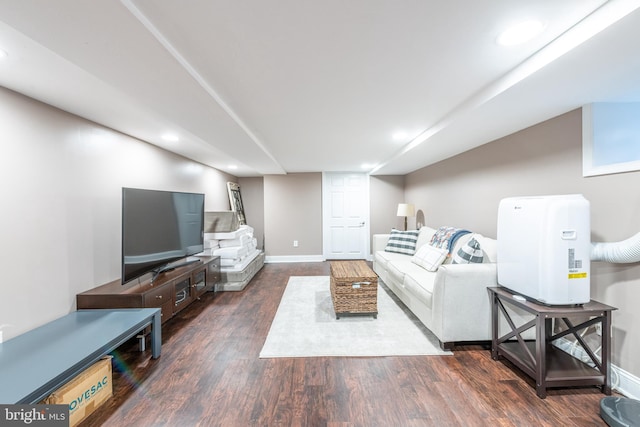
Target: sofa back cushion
424,237
489,247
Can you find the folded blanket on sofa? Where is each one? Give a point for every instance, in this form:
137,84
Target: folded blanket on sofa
445,237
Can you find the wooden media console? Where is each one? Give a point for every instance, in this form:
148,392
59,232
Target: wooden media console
171,291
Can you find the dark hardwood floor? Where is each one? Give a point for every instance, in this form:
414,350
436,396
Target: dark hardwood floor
209,374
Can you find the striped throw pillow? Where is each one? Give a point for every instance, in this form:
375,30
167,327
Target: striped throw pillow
469,253
402,242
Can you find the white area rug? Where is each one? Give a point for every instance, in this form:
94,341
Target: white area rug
305,325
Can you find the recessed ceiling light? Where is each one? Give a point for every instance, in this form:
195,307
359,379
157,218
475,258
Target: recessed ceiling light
520,33
169,137
399,136
233,167
368,166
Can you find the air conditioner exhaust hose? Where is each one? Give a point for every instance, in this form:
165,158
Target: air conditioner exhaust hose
624,251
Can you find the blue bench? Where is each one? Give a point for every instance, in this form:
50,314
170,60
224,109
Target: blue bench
38,362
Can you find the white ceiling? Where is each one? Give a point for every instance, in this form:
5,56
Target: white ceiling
305,85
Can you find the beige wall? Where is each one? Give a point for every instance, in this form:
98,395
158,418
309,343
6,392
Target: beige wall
293,211
386,191
61,180
276,195
465,190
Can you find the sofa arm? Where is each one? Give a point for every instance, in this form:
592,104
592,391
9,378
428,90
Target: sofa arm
461,303
379,242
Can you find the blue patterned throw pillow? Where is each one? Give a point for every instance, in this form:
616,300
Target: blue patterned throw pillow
402,242
470,253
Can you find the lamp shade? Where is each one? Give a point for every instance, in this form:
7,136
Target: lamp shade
406,209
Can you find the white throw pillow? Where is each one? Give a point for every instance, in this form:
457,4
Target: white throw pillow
429,257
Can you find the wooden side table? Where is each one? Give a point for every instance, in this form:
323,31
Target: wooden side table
548,365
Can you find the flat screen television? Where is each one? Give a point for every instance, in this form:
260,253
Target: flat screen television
158,229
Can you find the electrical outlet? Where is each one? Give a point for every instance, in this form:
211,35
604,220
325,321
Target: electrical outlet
295,243
0,336
599,329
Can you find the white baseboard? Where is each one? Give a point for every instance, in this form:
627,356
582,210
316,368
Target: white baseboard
628,385
299,258
293,258
621,381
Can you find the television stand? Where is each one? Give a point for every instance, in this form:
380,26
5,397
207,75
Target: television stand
171,267
186,262
171,291
542,361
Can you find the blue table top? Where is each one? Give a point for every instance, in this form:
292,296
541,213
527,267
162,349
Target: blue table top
40,358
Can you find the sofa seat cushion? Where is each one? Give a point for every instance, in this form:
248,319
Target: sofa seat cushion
415,279
387,261
421,288
380,258
383,257
396,271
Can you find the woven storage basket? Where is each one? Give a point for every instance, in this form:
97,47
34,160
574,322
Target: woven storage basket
354,288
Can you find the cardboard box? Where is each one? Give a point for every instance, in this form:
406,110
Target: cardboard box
221,222
86,392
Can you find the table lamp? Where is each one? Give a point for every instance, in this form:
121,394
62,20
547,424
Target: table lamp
405,210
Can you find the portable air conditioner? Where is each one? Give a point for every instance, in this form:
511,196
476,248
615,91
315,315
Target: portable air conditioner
544,248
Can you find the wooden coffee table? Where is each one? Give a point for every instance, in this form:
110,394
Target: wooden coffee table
354,289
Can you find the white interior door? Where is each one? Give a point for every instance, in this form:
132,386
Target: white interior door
345,215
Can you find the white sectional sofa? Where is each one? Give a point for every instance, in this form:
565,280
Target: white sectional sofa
452,301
